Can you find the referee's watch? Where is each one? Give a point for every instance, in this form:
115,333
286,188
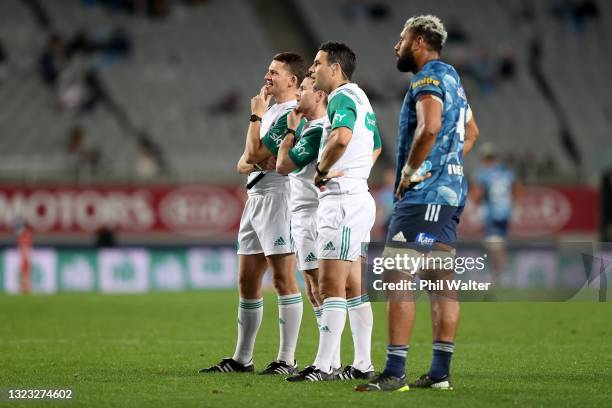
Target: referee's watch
320,172
255,118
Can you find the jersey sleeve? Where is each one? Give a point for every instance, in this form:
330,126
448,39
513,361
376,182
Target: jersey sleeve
372,124
342,112
427,84
307,148
377,141
273,138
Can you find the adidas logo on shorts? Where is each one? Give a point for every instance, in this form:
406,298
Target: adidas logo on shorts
325,329
399,237
329,247
311,257
280,241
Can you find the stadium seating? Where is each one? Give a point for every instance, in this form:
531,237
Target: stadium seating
183,64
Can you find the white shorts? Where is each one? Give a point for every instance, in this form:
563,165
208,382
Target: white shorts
343,224
304,233
265,223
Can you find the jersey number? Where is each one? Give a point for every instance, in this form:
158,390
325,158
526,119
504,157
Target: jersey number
461,125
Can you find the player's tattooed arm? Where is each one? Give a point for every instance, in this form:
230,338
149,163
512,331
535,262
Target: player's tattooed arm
255,151
471,133
429,122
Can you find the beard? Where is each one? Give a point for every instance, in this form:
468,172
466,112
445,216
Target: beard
406,62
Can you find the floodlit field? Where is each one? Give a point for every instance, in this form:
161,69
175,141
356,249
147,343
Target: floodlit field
144,350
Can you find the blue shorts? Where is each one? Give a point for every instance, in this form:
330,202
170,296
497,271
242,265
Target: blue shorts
496,228
424,224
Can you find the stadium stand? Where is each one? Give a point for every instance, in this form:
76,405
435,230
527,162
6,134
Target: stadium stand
181,66
189,77
514,114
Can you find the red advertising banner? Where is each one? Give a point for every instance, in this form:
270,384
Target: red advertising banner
543,212
214,211
201,210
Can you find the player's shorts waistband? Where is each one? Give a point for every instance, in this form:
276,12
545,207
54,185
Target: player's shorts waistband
284,190
343,196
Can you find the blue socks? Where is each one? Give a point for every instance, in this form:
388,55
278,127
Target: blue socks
396,360
440,362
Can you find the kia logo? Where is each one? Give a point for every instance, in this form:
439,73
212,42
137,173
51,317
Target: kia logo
199,210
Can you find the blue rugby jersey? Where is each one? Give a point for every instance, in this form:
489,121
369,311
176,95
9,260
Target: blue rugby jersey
446,185
497,184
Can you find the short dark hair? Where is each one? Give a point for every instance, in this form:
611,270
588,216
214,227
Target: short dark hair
340,53
295,63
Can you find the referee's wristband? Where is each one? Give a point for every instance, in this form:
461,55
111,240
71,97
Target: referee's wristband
320,172
408,172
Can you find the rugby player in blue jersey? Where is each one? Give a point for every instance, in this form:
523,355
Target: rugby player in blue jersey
495,188
436,130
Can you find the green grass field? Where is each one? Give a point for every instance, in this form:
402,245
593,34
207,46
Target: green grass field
144,350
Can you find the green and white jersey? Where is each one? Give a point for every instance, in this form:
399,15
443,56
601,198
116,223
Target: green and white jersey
348,106
304,155
271,132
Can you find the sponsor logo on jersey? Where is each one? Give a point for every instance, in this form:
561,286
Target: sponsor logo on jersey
425,81
461,92
425,239
277,138
338,117
455,169
300,148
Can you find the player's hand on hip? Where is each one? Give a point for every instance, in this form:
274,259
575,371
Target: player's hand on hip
293,119
260,102
407,183
321,181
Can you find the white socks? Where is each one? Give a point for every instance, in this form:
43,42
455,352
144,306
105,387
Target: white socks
335,362
250,312
330,331
361,320
290,308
